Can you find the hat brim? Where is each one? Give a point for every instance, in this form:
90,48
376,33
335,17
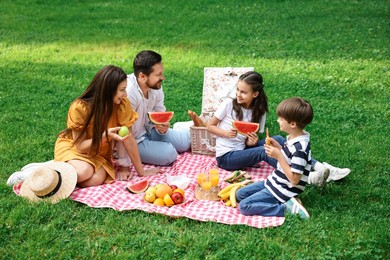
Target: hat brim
69,181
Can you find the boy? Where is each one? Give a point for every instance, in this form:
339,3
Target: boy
277,193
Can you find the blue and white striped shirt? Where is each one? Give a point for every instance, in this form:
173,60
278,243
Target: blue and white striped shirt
298,155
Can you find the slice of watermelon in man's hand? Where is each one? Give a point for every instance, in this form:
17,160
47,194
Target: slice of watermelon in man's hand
159,118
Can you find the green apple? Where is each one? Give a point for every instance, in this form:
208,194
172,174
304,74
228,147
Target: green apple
123,131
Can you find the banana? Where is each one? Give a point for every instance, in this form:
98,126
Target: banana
231,186
233,199
228,203
227,188
224,196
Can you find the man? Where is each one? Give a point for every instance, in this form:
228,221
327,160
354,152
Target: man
157,144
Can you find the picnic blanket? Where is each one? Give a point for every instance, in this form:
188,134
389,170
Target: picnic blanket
117,197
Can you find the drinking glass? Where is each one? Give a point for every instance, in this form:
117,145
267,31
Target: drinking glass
206,185
214,179
201,177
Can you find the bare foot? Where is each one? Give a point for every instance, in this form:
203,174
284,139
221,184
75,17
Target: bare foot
124,173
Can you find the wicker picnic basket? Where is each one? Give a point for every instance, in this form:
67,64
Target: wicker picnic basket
218,84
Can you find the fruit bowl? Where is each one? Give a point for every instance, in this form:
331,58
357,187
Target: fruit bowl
181,181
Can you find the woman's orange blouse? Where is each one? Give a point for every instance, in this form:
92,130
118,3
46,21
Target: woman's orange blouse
122,115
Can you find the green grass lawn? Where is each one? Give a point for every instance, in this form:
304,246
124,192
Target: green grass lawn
333,53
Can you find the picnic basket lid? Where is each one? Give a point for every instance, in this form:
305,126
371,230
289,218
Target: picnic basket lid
218,84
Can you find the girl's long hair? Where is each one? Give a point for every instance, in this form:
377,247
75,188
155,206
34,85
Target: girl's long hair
99,98
259,104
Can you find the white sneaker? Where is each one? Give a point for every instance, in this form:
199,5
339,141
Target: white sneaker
318,178
294,207
336,173
17,177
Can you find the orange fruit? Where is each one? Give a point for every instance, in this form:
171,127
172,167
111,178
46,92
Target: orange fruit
179,190
168,200
159,202
163,189
150,197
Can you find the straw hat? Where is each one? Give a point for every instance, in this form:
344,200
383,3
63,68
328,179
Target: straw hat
53,182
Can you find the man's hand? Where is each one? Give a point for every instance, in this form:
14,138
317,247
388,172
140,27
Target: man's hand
152,171
162,128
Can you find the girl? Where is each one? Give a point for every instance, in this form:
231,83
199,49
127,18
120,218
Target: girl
93,121
235,151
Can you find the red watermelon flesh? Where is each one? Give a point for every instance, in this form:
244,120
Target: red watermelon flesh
138,187
245,128
160,117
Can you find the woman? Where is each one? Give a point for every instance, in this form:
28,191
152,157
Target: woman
93,121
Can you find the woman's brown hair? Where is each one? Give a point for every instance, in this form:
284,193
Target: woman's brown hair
99,97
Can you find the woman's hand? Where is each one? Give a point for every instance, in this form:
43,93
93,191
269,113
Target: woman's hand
113,134
252,139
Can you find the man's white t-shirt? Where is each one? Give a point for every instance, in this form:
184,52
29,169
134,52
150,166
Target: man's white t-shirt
142,105
227,115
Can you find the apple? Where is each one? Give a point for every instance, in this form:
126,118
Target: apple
173,187
177,197
123,131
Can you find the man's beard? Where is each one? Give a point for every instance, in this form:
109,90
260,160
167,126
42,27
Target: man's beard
156,86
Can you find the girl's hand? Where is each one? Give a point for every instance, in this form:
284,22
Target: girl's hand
252,139
231,133
162,128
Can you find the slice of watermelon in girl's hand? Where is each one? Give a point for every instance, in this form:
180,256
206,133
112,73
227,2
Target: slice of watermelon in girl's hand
245,128
158,118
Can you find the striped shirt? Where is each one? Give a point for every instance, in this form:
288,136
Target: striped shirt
298,155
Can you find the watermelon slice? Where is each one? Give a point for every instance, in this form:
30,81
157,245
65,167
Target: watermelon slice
245,128
160,117
138,187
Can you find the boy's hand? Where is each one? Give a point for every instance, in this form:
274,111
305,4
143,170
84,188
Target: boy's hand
274,143
272,151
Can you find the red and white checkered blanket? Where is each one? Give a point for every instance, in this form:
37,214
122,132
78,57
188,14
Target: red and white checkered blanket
117,197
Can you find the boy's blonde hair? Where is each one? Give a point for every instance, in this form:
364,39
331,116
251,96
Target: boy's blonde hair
296,110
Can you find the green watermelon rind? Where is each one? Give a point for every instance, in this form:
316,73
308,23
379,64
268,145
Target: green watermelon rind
160,117
238,125
138,187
